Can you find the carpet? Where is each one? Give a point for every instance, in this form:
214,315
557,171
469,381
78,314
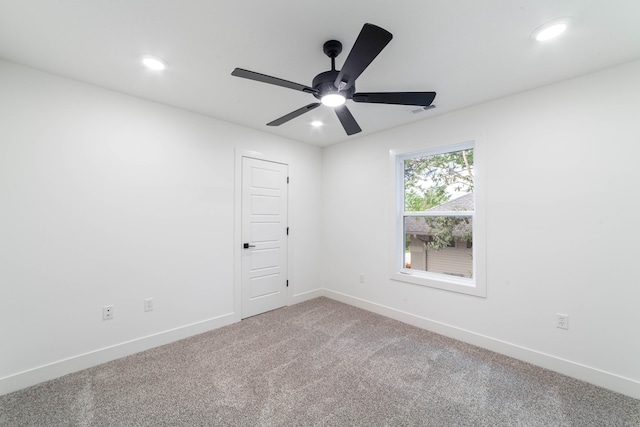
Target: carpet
317,363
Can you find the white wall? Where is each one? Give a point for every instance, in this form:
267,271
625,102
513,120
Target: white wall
563,230
110,199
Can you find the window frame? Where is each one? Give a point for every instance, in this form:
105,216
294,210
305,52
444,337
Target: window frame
476,285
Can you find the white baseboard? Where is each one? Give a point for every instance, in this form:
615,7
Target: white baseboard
585,373
59,368
305,296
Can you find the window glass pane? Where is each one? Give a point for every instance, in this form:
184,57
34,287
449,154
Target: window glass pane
440,245
439,182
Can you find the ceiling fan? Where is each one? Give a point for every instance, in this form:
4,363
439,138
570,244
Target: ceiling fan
334,87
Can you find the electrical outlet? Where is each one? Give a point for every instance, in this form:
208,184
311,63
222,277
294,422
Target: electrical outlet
107,312
148,304
361,277
562,321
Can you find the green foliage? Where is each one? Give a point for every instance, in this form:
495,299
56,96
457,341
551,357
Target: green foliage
426,179
428,182
446,229
421,199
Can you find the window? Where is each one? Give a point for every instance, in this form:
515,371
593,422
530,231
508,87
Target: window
437,219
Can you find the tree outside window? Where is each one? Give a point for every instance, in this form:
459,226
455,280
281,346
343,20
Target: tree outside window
438,212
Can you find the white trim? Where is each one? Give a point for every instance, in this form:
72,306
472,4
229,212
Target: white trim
72,364
441,149
237,234
462,285
438,213
608,380
475,286
306,296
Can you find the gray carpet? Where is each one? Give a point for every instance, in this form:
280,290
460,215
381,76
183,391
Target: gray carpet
317,363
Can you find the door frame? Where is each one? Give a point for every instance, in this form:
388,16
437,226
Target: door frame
237,228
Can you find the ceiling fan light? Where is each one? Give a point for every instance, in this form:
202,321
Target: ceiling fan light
316,123
333,100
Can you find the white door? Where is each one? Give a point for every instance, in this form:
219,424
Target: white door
264,236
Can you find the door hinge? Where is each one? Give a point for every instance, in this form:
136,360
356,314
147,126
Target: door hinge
287,231
287,180
287,283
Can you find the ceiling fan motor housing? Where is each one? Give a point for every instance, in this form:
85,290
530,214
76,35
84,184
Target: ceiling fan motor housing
324,84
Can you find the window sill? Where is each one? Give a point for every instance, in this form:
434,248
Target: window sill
461,285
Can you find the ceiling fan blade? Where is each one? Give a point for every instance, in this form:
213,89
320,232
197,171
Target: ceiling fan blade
346,118
403,98
294,114
370,42
252,75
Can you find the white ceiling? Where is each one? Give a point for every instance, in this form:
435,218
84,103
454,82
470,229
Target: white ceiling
468,51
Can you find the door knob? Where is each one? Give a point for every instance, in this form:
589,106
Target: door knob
247,246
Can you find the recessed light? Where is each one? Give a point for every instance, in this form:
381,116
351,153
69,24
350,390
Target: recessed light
154,63
551,29
316,123
333,100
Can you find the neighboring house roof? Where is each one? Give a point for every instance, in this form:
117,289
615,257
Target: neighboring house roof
462,203
417,225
